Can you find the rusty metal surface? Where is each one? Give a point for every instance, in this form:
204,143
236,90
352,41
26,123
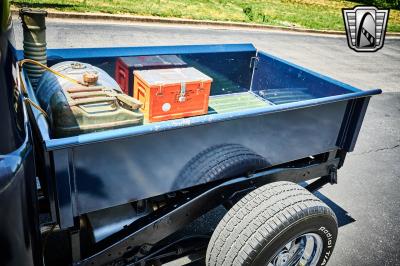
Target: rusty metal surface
76,109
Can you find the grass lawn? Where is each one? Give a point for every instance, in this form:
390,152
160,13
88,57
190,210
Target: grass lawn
313,14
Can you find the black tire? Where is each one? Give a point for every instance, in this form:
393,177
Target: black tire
262,222
217,162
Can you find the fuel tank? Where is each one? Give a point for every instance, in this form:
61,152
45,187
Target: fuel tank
76,109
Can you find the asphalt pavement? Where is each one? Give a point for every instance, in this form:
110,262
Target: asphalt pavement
367,197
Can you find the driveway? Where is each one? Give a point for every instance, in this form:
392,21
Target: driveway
367,198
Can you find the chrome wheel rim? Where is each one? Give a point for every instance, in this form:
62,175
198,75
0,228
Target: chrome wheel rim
304,250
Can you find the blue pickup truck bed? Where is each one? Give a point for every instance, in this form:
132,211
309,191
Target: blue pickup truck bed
291,113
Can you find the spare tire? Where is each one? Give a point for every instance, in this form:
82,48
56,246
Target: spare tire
219,162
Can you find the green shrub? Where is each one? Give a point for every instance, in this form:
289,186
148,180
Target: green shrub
254,15
395,4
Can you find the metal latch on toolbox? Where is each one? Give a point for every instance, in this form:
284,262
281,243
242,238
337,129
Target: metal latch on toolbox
182,96
201,87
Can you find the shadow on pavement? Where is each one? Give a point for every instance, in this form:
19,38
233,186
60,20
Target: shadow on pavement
342,215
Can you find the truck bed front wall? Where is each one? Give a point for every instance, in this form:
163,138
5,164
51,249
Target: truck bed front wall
101,175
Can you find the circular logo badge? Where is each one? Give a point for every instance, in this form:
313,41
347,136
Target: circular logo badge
166,107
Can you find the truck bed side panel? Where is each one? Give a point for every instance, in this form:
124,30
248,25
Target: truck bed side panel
115,172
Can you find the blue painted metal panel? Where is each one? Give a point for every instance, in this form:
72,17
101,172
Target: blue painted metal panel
351,124
19,234
54,144
228,65
64,184
19,225
282,82
73,53
138,167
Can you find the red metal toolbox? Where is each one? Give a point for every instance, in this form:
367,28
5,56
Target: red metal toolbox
172,93
126,65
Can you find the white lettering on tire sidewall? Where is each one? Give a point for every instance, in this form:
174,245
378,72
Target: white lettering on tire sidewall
329,238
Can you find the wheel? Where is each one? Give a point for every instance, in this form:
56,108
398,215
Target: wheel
217,162
277,224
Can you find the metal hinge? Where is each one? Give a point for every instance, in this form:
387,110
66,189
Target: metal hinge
182,94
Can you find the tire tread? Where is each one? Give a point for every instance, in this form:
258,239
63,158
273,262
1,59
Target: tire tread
219,161
257,218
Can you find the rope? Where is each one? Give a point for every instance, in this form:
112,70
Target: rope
29,101
22,62
23,88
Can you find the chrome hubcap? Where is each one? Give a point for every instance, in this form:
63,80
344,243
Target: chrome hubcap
304,250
